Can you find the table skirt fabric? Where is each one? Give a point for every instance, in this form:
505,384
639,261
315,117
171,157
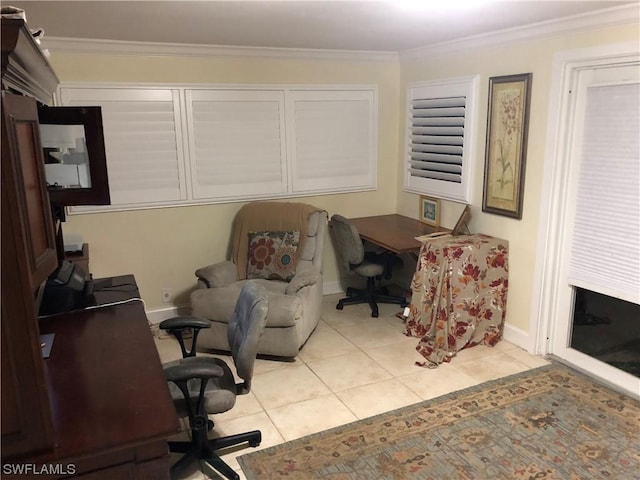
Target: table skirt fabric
459,295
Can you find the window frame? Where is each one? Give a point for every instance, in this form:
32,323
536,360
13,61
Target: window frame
459,86
340,184
84,94
234,96
184,136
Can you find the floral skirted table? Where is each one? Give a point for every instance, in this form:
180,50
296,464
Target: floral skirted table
459,295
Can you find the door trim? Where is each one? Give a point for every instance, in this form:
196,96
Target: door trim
550,295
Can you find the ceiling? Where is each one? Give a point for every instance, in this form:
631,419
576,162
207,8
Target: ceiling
337,25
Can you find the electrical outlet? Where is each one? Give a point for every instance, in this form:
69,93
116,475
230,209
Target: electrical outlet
166,295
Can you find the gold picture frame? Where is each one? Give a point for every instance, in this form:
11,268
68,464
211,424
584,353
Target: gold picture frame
506,148
430,211
461,227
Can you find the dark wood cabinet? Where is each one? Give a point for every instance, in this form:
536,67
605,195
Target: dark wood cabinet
100,402
26,417
28,255
25,69
23,177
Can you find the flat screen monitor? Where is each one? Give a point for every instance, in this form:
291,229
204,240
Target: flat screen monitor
74,154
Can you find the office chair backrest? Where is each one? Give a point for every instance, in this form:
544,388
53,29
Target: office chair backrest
348,243
245,329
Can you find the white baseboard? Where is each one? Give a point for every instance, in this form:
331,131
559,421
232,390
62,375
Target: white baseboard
330,288
160,314
517,337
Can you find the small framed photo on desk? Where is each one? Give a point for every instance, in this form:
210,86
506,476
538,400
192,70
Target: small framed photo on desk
430,211
461,225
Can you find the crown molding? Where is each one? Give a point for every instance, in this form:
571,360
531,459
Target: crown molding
621,15
118,47
610,17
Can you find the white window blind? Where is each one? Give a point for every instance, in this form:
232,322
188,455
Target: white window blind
182,144
605,252
439,138
142,141
333,136
236,142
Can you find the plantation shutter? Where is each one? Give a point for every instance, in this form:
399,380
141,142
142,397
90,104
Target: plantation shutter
181,145
605,252
333,139
236,142
142,142
439,136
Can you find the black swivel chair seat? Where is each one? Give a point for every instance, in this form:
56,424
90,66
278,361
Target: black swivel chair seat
205,385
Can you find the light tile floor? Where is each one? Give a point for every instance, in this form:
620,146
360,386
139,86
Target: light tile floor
352,367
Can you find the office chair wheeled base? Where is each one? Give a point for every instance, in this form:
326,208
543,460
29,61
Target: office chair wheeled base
371,296
201,448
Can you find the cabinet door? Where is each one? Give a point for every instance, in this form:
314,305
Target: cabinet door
23,162
28,257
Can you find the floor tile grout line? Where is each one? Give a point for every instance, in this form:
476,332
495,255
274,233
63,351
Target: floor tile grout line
337,356
359,348
302,401
344,355
335,393
367,354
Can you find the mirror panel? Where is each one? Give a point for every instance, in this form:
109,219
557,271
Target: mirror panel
74,154
65,156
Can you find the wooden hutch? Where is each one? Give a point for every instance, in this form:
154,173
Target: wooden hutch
61,411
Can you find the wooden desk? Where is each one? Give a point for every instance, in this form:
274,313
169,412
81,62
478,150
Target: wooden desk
394,232
111,407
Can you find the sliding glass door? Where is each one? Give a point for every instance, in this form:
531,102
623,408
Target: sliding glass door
596,325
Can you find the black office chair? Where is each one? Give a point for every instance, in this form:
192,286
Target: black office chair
206,385
372,265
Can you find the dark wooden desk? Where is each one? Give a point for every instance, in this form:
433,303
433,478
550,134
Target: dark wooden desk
394,232
111,406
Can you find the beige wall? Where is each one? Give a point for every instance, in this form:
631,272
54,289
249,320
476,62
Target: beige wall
163,247
532,56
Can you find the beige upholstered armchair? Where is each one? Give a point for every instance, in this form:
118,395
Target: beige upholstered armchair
280,245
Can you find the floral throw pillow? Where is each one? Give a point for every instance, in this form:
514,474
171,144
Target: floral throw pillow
271,255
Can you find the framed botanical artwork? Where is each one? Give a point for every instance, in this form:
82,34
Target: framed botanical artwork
430,211
507,125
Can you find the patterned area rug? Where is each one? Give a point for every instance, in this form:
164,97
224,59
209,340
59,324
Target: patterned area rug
548,423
